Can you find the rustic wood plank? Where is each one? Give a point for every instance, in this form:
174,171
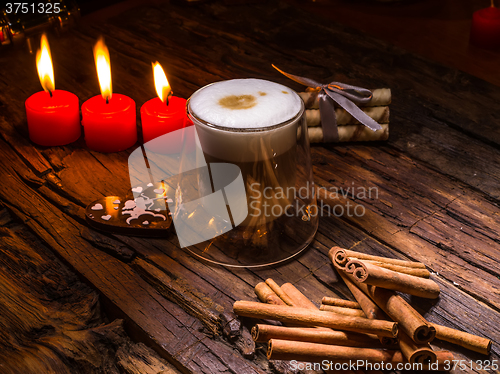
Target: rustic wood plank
397,223
50,321
446,306
441,145
417,214
454,113
178,290
167,327
266,274
316,285
452,309
139,359
129,62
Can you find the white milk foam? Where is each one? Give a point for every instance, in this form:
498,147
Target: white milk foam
245,103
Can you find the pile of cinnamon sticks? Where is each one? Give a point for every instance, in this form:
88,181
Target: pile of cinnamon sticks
379,327
348,127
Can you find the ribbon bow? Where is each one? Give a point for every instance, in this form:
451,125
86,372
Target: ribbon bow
345,95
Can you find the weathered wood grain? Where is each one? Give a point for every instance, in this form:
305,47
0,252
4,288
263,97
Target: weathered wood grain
389,222
430,205
50,321
139,359
167,325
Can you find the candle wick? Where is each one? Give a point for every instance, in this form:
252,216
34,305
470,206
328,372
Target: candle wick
107,99
168,96
492,3
50,93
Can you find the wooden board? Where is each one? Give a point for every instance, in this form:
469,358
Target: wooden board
436,178
52,322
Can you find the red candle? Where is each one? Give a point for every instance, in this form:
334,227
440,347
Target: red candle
485,29
110,126
158,118
109,121
162,115
53,115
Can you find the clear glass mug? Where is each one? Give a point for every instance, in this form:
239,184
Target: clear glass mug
239,196
253,202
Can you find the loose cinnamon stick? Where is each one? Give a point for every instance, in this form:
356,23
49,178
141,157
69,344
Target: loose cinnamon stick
340,257
394,305
313,352
443,358
379,114
297,297
417,272
298,300
301,301
267,295
351,133
421,353
473,342
315,318
380,96
368,306
263,333
366,272
279,291
410,321
371,310
340,302
342,310
442,363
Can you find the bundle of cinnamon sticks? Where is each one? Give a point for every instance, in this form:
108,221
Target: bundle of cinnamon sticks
348,127
373,279
379,327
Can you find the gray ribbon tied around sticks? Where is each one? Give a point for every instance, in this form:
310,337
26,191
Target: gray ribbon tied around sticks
346,96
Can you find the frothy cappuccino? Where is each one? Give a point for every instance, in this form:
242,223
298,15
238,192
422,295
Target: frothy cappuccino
245,104
251,123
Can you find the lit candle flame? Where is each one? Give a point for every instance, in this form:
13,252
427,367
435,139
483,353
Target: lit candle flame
161,83
103,66
44,65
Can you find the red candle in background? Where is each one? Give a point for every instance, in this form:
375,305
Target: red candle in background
109,121
162,115
485,28
53,115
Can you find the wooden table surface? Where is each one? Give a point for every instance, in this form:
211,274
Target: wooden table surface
438,179
438,30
